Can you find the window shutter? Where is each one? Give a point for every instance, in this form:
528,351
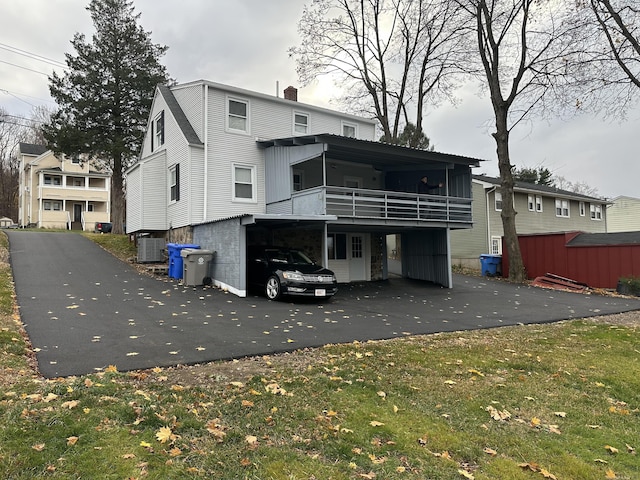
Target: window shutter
161,127
152,122
177,182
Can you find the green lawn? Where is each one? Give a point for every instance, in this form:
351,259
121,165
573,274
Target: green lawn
531,402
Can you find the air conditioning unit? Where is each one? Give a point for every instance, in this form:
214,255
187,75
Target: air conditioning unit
151,250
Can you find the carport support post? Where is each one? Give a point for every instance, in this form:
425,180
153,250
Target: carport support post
325,250
449,275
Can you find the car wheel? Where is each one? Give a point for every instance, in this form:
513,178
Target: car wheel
272,288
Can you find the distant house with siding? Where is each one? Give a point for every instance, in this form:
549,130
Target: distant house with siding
541,209
623,214
226,168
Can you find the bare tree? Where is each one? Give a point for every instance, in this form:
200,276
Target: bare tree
613,56
580,187
390,57
12,132
526,49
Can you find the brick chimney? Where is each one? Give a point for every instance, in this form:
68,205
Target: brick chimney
291,93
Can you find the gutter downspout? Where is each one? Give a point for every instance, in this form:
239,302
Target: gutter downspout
492,189
205,99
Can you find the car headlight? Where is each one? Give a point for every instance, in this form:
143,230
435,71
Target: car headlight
295,276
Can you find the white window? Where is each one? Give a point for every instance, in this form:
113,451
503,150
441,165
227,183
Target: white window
52,180
538,203
562,208
349,129
496,245
238,115
531,203
52,205
300,123
337,246
174,182
352,182
596,212
298,180
498,201
244,183
583,210
157,127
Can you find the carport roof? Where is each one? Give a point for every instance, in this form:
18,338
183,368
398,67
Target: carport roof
377,154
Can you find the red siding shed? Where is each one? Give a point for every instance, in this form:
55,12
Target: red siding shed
596,259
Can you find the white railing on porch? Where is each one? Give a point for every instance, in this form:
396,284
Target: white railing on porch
382,204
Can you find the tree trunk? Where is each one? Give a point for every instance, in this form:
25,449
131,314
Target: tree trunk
508,214
117,196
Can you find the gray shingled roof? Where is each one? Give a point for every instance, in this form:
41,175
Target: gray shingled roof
180,117
32,149
538,188
618,238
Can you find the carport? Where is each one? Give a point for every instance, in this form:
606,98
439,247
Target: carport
230,237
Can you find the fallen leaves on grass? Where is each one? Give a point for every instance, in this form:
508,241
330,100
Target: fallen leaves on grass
498,415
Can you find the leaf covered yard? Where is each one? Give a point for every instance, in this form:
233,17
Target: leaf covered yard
557,401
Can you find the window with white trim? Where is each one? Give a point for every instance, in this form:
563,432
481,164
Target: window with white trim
158,131
337,246
596,212
538,203
298,180
55,205
174,182
582,208
349,129
498,201
244,184
53,180
238,115
496,245
562,208
300,123
531,203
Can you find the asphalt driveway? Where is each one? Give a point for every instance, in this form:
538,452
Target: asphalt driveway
83,310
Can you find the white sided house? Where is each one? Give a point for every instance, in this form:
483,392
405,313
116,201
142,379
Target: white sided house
226,168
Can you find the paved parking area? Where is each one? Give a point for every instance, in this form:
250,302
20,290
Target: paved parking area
84,310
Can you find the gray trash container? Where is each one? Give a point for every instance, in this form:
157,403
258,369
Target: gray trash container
196,266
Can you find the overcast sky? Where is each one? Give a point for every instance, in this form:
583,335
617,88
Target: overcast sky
244,43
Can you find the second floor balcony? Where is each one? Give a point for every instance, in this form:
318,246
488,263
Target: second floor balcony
366,182
375,205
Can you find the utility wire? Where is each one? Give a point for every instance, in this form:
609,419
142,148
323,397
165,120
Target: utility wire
25,68
35,56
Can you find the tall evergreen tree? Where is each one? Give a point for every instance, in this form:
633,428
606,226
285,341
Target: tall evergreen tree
105,97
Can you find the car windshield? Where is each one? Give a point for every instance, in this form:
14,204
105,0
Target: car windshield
288,256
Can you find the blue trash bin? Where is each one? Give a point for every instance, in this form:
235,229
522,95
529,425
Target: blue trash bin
175,260
489,264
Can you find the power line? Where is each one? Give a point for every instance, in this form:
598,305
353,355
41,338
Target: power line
35,56
25,68
9,92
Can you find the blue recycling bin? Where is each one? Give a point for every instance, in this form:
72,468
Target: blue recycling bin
489,264
175,260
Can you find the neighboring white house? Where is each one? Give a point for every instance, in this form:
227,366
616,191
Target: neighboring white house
541,209
623,215
225,168
60,192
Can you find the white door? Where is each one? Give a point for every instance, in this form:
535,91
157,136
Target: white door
357,250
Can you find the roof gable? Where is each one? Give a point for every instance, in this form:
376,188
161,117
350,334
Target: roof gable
178,114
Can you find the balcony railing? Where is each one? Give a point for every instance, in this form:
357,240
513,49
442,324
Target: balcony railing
381,204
